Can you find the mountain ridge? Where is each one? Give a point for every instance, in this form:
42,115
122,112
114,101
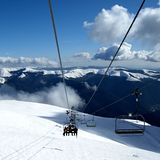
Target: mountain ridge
119,83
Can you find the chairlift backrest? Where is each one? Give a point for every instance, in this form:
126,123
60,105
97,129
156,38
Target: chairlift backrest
91,123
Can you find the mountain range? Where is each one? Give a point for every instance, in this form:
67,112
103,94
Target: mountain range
109,100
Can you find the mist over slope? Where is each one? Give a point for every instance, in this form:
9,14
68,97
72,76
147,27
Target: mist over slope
43,85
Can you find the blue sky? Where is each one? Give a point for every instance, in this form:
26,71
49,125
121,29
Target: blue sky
25,26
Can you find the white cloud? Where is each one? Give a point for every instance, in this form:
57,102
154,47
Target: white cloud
147,28
154,56
87,24
57,96
26,61
110,26
141,55
85,55
126,53
54,96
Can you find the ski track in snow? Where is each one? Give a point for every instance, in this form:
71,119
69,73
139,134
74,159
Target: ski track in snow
34,131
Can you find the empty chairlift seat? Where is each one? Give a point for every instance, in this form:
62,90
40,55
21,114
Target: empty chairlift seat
83,119
130,124
91,123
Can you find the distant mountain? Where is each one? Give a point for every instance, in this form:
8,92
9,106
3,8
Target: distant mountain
119,83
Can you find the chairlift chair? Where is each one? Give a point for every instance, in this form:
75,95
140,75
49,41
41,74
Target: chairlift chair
70,129
91,123
70,124
83,120
130,124
78,117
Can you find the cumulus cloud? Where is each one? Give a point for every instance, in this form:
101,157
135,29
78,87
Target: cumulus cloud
111,25
126,53
54,96
26,61
154,56
147,27
84,55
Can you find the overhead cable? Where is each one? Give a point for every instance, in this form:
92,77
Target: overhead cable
92,96
58,50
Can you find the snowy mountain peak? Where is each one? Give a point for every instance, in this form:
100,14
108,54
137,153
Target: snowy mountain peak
5,72
131,75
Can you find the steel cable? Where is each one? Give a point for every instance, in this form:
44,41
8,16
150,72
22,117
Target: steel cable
92,96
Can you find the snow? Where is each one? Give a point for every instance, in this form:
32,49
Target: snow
2,80
101,71
129,76
53,72
34,131
5,72
45,72
118,72
151,72
75,73
31,70
72,73
80,72
22,75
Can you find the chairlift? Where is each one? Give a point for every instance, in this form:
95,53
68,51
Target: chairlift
83,120
91,123
72,119
70,126
70,129
130,124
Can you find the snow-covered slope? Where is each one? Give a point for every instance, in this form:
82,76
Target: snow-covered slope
34,131
75,73
4,72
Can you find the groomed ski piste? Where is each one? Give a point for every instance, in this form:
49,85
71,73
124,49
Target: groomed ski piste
34,131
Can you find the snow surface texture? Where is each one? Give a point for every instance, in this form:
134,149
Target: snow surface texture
34,131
